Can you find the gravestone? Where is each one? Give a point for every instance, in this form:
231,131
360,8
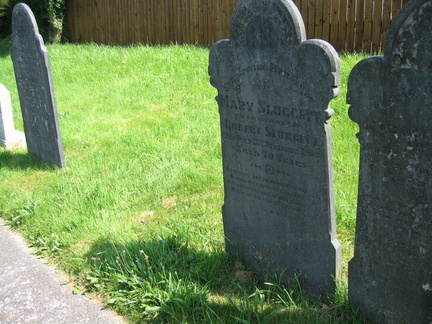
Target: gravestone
10,138
390,276
35,88
274,87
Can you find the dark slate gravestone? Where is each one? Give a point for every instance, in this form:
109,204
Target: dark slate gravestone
34,82
273,93
390,276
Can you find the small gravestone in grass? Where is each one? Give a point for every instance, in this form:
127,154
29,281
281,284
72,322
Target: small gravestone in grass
274,87
35,88
10,138
390,276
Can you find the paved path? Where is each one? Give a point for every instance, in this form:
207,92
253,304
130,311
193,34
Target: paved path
32,292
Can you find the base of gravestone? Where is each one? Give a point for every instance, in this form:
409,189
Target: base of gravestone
270,267
14,140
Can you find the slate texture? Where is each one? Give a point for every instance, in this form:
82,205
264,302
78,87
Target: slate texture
35,88
390,276
274,87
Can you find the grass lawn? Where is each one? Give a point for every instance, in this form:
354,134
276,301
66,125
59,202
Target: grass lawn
135,218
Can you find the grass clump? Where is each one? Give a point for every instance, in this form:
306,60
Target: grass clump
135,217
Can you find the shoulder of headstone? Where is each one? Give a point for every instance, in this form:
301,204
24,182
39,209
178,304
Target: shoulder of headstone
364,86
364,71
328,55
220,55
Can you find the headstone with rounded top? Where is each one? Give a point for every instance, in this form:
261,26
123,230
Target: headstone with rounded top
35,88
390,276
274,87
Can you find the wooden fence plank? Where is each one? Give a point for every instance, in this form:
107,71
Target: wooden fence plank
342,25
143,19
304,11
121,22
205,20
376,25
85,31
359,26
194,23
350,24
151,16
318,18
186,26
334,22
140,21
367,32
180,20
183,21
310,27
156,8
94,12
161,27
327,8
224,21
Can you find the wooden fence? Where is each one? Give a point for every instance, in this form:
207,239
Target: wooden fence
352,25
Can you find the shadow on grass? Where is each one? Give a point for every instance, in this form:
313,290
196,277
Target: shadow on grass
166,281
22,161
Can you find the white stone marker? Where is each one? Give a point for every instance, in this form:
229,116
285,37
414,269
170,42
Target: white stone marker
10,138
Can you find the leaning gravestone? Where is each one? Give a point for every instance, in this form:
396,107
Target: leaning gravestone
35,88
273,93
390,276
10,138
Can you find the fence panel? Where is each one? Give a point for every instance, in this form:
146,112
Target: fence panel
352,25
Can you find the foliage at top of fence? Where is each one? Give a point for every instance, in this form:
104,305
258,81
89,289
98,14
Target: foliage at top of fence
49,15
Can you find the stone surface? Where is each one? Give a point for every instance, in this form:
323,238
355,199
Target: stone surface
35,88
274,87
33,292
10,138
390,276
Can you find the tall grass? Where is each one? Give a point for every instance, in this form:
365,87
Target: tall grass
135,217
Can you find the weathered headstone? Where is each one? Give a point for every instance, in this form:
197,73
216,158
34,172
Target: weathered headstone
35,88
9,137
274,87
390,276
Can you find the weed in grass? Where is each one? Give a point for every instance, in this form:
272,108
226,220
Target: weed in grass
47,246
253,308
18,218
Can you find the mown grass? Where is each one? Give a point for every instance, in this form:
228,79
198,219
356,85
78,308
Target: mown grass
136,216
